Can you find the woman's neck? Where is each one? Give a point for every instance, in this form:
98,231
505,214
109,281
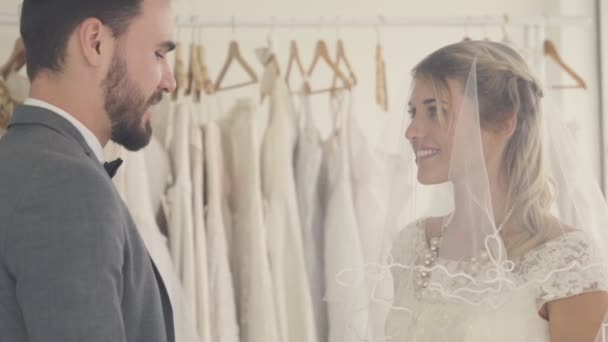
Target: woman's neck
465,197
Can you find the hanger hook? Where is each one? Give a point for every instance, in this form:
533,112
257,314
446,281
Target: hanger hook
199,30
337,27
273,25
321,23
381,21
505,28
193,26
467,24
270,36
484,31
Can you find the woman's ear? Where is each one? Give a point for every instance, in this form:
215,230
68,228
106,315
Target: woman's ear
507,127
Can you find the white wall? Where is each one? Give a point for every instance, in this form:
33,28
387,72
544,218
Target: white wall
403,47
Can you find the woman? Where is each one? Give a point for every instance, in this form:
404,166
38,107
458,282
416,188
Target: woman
519,255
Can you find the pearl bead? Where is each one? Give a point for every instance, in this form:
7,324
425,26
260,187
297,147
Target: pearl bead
424,274
428,262
435,241
434,248
428,254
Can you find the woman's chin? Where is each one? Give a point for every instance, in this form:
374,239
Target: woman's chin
426,179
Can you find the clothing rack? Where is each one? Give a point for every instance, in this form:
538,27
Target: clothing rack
8,19
331,22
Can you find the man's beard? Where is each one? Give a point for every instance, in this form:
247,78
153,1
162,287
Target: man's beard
126,105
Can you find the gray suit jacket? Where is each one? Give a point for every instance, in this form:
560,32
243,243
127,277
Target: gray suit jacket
73,267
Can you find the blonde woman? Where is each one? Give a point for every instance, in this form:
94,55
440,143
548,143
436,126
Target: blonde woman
520,253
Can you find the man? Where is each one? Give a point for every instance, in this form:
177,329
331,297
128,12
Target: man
73,267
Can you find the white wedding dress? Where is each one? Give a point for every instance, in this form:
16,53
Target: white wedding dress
346,291
418,315
292,291
224,326
311,202
254,292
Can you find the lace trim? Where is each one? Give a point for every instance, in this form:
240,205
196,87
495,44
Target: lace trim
566,266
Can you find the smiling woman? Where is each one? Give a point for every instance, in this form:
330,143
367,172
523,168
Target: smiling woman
513,258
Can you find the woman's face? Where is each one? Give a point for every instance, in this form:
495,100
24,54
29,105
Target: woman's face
430,130
434,110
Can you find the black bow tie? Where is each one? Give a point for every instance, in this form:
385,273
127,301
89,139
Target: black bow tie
112,166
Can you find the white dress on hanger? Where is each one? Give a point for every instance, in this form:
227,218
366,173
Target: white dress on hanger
132,184
178,200
197,154
224,326
370,187
346,291
311,203
251,270
292,291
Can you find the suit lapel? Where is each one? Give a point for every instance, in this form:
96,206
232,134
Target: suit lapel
166,302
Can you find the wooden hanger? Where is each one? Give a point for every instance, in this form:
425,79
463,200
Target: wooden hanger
16,61
341,57
294,57
207,84
234,53
181,77
194,74
551,52
381,89
321,53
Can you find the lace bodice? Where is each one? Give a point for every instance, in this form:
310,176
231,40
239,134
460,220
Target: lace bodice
565,266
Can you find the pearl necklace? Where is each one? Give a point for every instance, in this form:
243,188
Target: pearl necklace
432,252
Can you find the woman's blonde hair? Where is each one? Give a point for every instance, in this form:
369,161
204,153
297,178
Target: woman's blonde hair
505,87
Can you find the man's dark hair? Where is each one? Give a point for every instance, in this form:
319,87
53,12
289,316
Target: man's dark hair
46,26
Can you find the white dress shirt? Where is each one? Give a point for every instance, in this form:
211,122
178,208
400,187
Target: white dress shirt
88,136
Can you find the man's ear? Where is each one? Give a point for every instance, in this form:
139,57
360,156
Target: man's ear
92,41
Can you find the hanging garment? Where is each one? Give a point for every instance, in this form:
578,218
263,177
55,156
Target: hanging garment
292,290
311,203
370,188
178,200
224,326
157,159
132,184
346,291
198,225
249,250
